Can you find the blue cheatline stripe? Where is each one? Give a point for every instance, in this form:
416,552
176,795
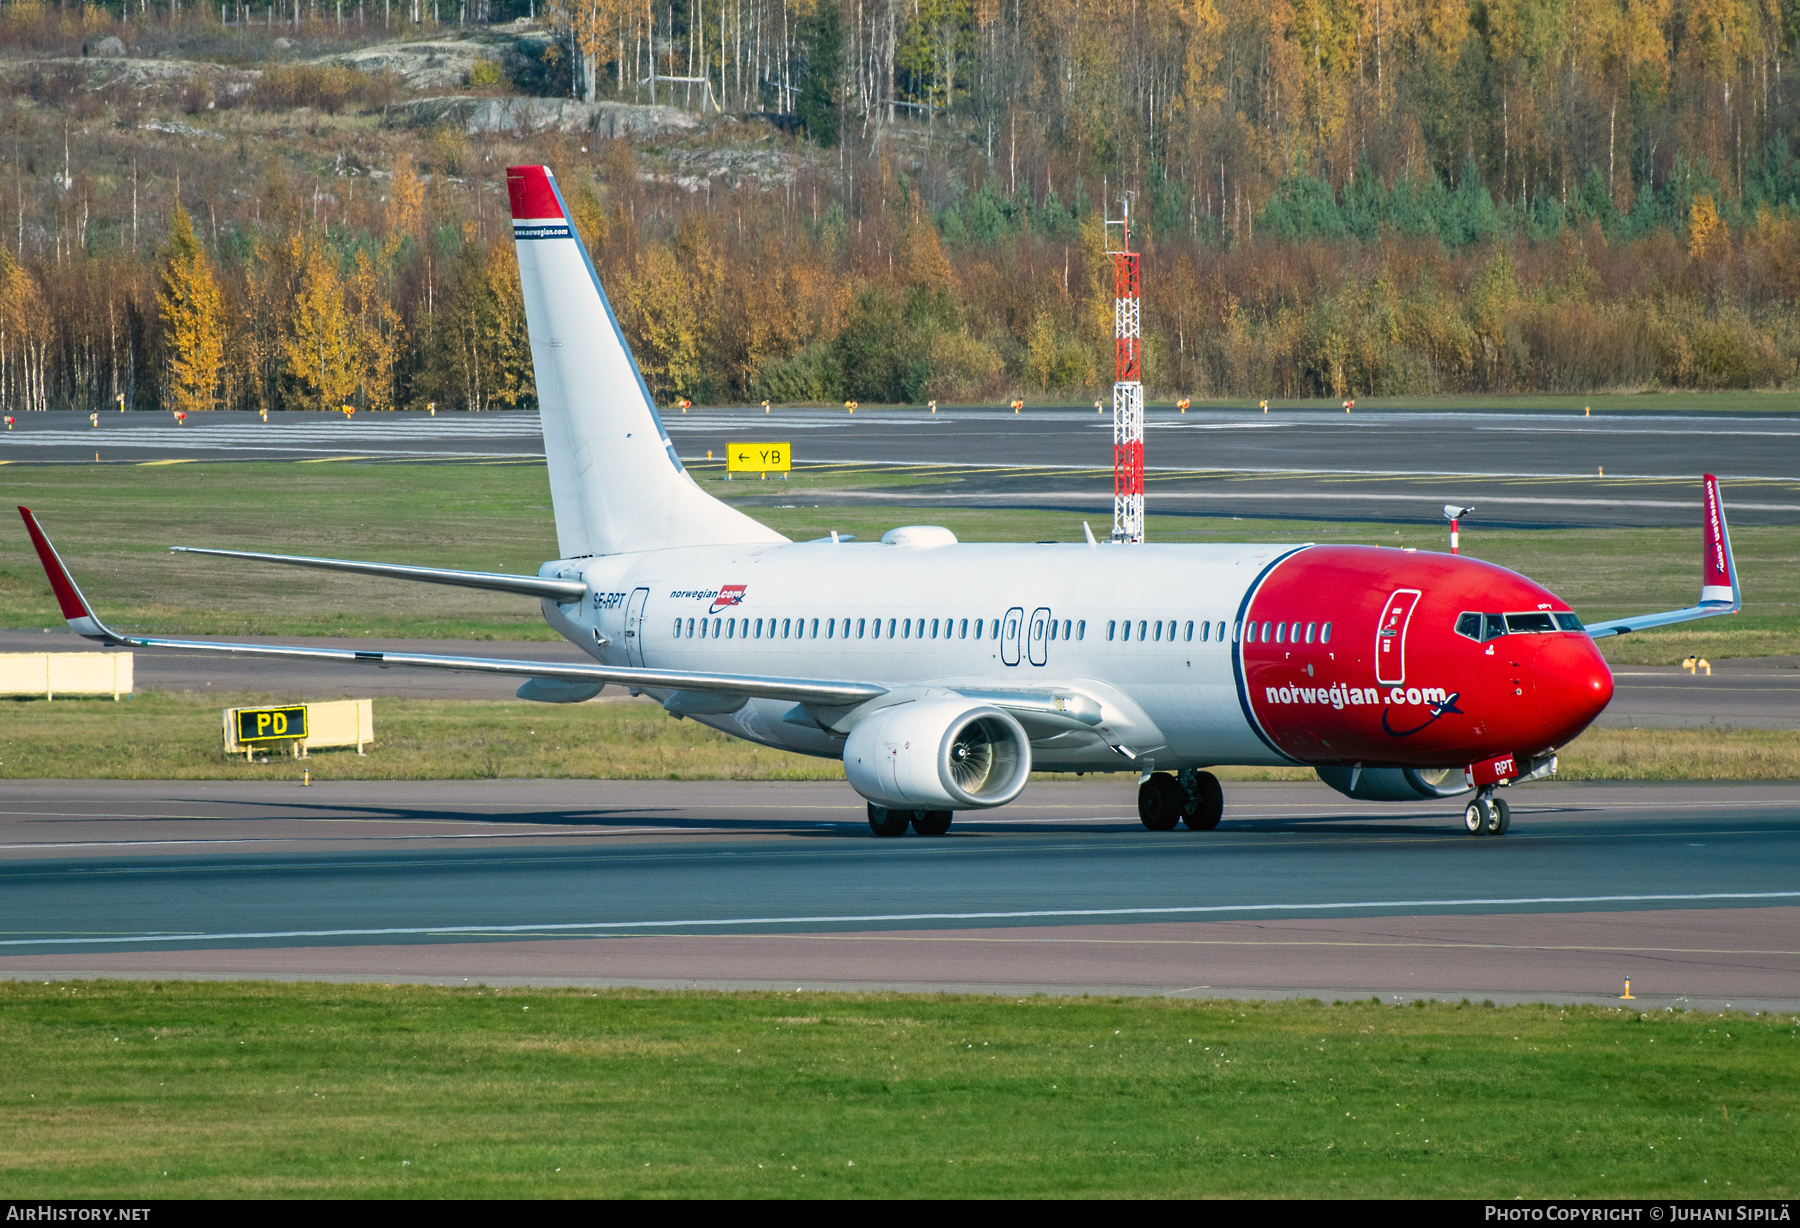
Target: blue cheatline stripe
574,927
1237,655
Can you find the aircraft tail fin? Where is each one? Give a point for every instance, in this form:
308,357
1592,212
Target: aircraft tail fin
615,481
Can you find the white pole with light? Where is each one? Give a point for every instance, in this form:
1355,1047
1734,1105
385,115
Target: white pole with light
1453,513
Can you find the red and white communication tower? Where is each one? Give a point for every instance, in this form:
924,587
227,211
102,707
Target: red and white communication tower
1128,387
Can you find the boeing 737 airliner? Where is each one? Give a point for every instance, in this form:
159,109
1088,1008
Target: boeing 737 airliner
943,673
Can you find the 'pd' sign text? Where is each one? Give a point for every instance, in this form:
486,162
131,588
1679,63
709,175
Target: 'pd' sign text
271,724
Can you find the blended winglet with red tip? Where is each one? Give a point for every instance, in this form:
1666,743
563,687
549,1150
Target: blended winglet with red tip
68,594
1719,590
1718,583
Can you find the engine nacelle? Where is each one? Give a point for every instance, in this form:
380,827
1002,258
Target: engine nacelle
1394,784
938,754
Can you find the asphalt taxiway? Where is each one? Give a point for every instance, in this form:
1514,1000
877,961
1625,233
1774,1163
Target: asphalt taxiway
1691,890
1518,467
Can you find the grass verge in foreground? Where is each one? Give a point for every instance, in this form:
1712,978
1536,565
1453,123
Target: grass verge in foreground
183,1090
162,736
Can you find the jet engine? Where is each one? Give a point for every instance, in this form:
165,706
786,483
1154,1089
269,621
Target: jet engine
1394,784
938,754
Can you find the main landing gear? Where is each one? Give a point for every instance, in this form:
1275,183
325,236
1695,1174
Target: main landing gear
1193,798
1487,815
885,822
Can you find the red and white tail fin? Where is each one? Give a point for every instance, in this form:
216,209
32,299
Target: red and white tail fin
1719,590
1718,578
615,481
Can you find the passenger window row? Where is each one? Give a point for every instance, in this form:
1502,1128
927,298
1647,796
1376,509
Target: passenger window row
1158,630
859,628
1287,633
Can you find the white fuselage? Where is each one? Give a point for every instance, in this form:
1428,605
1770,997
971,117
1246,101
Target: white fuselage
1009,617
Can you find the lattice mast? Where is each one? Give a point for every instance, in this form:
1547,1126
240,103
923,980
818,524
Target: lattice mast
1128,387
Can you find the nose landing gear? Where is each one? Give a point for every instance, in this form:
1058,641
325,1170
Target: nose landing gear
1487,815
1194,798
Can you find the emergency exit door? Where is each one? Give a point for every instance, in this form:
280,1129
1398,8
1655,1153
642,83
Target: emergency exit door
1037,643
1010,628
1390,637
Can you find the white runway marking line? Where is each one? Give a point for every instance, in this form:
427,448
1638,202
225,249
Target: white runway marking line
1328,495
869,918
1285,471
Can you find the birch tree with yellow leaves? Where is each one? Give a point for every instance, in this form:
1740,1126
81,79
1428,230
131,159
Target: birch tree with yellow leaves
321,349
193,313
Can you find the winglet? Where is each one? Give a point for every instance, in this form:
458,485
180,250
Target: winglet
1719,582
1719,589
68,596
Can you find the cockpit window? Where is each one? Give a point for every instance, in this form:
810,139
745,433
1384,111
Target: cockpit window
1484,627
1481,627
1537,620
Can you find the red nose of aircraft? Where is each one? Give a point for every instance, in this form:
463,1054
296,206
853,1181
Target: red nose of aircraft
1358,655
1572,685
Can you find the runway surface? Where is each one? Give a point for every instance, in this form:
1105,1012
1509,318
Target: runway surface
1516,467
1753,693
1692,890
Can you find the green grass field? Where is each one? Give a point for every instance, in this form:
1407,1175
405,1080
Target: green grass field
188,1090
114,524
160,736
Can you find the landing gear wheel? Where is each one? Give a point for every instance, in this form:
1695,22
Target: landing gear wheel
931,822
1159,802
1480,818
885,822
1502,818
1202,801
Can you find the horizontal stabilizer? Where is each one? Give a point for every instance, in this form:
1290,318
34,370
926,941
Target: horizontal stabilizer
1719,590
562,591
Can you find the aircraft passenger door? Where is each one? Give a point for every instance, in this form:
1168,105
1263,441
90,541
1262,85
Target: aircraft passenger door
634,626
1390,637
1010,628
1037,644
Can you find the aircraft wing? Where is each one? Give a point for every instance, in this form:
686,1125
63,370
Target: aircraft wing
1719,591
529,586
84,622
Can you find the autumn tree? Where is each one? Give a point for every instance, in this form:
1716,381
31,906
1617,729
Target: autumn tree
666,328
25,336
379,335
406,199
193,316
321,350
